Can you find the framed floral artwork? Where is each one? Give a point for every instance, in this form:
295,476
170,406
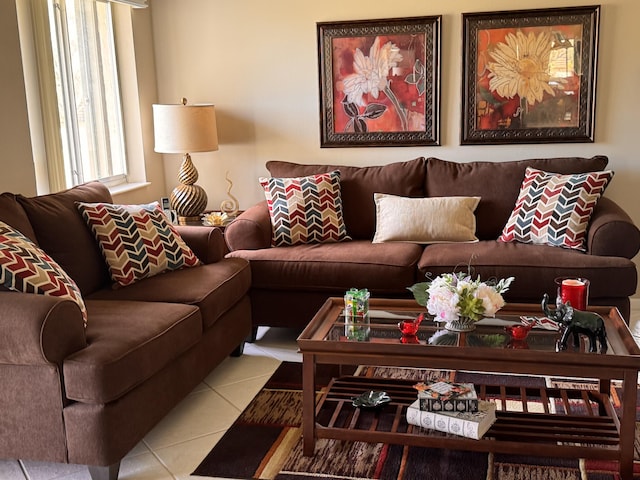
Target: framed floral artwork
379,82
529,76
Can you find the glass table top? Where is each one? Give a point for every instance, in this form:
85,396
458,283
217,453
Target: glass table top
384,326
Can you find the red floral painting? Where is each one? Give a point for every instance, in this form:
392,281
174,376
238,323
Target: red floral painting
379,83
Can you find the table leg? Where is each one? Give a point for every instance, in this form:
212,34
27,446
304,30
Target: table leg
604,388
308,405
628,423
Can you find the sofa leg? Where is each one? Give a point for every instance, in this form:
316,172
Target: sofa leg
109,472
239,350
254,335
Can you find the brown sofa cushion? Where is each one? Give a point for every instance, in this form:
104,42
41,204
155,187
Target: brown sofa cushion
382,267
214,288
127,343
534,267
62,232
497,183
12,213
358,184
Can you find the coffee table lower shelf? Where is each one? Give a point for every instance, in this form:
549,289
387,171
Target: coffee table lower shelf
553,422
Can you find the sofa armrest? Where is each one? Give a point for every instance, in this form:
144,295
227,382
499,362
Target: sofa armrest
612,232
39,329
206,242
251,230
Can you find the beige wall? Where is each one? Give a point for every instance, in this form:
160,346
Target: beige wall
257,61
16,165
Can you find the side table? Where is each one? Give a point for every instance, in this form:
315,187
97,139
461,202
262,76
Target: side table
201,221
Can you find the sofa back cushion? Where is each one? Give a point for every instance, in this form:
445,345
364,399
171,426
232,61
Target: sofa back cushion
358,184
61,231
12,213
497,183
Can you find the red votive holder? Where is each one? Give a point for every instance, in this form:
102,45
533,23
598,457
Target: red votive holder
573,290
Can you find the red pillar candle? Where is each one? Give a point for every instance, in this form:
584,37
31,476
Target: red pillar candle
574,290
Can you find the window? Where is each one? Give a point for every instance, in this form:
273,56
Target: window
87,95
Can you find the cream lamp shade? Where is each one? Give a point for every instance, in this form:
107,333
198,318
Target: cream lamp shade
183,129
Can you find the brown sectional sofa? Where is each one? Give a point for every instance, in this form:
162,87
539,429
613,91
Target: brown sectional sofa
81,396
290,283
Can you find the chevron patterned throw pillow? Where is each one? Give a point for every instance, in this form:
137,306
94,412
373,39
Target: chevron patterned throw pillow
137,241
26,268
305,209
554,209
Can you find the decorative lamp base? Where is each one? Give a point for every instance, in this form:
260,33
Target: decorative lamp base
461,325
188,200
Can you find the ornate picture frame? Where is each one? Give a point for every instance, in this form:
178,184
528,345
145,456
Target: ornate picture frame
380,82
529,76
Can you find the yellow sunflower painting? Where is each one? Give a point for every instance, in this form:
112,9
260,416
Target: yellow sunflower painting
529,77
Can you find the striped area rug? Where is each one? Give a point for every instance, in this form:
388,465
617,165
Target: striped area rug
265,443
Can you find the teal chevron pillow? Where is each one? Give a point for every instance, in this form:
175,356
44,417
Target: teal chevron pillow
137,241
554,209
24,267
305,209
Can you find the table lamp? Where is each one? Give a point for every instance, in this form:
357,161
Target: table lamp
182,129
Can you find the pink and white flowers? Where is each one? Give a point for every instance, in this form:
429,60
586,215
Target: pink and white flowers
451,296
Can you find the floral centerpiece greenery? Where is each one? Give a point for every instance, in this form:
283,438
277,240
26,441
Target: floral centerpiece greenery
454,296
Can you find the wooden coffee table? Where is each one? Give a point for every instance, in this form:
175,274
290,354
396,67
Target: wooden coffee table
597,431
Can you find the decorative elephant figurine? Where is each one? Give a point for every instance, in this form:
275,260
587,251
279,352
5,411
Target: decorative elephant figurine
577,322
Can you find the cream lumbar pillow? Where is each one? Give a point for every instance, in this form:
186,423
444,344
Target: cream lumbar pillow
425,220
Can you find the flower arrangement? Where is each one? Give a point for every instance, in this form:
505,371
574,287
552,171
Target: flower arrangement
451,297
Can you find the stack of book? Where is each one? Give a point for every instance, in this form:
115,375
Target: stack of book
447,397
451,408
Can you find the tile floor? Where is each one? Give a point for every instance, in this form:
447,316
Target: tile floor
180,441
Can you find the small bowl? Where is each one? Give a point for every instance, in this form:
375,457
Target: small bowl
518,332
371,399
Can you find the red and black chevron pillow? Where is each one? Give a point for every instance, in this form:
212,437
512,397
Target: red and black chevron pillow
24,267
137,241
554,209
305,209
